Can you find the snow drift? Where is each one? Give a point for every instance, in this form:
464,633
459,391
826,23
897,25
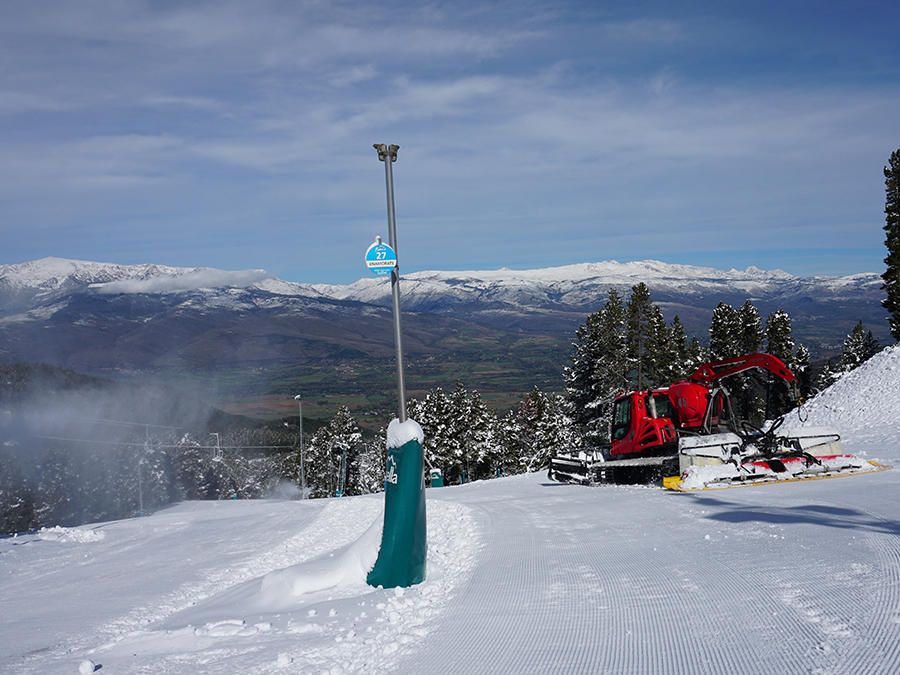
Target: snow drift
864,405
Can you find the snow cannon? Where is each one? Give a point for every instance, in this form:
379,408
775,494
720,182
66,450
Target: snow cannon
404,545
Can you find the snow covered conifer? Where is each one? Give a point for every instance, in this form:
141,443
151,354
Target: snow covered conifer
859,346
695,355
871,346
803,371
194,476
334,447
749,341
542,429
780,343
435,415
751,328
891,275
53,503
372,458
16,498
345,447
508,450
597,369
638,320
482,442
459,437
852,353
780,337
679,341
725,332
827,376
662,350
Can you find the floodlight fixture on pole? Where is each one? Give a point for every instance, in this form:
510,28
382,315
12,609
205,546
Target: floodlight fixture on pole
389,152
299,400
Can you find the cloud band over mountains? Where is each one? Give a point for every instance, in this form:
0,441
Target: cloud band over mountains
189,281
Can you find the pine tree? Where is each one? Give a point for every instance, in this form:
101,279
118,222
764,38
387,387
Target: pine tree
53,499
682,366
482,437
16,498
780,343
871,346
597,370
750,404
435,415
332,457
372,458
751,329
695,355
460,438
725,332
321,472
508,448
662,350
827,376
638,320
345,447
852,355
803,372
891,275
859,346
542,430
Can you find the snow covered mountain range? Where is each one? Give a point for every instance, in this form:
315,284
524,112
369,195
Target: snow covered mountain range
34,284
98,316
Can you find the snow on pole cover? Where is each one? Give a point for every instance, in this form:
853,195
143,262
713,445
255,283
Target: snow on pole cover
400,433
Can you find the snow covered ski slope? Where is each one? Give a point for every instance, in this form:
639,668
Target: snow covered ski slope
525,576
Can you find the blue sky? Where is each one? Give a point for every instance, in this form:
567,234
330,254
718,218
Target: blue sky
238,135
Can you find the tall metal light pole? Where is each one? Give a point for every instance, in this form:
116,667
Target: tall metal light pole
299,400
404,538
388,155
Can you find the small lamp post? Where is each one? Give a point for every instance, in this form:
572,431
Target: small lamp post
299,400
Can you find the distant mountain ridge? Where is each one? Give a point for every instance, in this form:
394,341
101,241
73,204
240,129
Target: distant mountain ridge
570,285
578,285
493,329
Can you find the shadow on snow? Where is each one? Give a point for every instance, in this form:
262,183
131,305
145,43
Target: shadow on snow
810,514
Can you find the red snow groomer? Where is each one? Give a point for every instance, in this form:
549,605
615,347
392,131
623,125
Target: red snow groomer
688,435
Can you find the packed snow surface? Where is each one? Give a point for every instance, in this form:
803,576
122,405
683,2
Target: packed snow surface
524,576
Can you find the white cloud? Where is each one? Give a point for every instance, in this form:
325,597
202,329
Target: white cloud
190,281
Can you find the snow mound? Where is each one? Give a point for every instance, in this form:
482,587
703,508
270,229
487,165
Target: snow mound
74,535
396,622
399,434
346,568
697,477
864,406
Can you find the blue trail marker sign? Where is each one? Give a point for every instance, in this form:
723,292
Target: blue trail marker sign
381,258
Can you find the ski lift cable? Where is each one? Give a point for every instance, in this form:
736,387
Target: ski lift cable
129,424
169,445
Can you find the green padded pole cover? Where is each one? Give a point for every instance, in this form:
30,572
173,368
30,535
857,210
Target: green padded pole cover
404,544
